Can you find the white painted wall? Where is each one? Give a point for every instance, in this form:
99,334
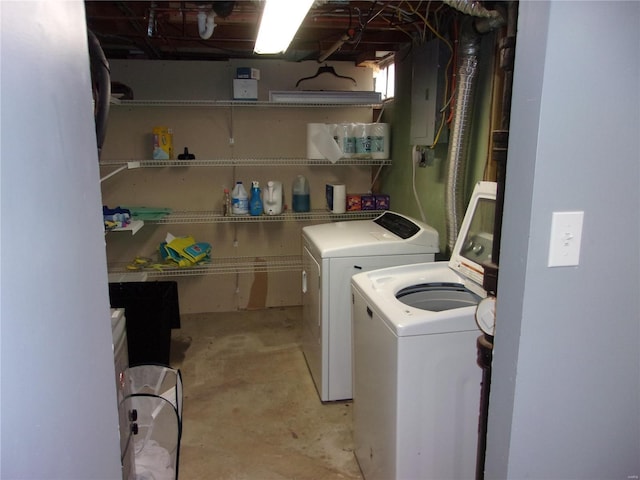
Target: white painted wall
58,404
565,399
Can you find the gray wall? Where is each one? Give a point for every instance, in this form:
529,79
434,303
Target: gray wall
58,404
565,399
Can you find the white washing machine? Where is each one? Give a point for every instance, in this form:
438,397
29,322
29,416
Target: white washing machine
332,254
416,391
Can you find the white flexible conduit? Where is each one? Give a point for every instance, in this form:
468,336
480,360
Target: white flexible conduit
459,135
206,24
469,46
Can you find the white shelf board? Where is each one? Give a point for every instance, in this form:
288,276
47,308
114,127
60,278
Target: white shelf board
133,227
216,266
246,162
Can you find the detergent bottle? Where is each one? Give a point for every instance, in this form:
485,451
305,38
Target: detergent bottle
255,203
301,199
239,200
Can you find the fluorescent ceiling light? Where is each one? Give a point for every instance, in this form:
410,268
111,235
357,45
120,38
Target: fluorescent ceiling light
280,22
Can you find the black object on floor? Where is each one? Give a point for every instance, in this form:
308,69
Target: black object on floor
151,310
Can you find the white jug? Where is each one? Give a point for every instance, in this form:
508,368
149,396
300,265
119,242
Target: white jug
239,200
273,198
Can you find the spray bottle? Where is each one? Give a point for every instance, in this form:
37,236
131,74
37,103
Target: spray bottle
255,202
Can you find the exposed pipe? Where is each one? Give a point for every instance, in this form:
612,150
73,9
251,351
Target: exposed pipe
206,23
472,7
152,26
333,48
491,269
145,44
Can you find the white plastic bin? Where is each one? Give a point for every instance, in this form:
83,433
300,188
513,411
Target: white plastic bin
156,399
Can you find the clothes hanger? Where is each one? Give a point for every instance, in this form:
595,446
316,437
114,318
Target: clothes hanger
326,69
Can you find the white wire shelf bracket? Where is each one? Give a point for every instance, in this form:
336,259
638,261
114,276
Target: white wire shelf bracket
125,165
239,103
191,217
247,162
217,266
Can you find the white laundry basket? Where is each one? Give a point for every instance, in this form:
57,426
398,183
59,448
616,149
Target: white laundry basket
156,400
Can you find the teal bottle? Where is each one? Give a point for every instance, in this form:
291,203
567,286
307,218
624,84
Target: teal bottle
301,197
255,200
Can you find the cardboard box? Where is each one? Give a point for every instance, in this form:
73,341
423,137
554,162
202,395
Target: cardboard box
368,202
162,143
246,72
354,202
245,89
382,202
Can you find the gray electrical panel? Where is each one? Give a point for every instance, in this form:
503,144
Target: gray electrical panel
427,92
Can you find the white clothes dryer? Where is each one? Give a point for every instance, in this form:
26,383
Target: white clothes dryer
332,254
416,382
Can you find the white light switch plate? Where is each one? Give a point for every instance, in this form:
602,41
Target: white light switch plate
566,235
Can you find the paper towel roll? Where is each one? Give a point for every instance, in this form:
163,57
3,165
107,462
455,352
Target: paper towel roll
339,198
362,140
344,139
336,197
320,143
380,140
312,150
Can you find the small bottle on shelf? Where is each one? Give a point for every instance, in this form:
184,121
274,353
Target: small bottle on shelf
226,203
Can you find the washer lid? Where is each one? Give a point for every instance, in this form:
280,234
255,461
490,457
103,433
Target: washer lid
389,234
475,241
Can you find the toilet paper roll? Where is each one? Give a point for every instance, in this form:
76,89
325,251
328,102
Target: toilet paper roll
320,143
380,140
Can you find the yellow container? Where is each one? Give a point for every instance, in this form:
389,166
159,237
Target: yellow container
162,143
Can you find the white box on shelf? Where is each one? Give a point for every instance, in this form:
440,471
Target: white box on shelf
245,89
247,72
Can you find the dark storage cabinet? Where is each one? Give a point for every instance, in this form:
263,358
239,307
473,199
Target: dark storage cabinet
151,310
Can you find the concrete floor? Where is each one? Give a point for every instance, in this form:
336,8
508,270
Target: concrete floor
251,410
